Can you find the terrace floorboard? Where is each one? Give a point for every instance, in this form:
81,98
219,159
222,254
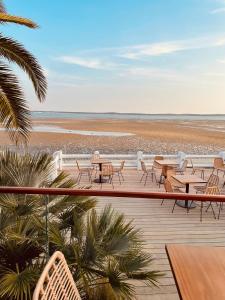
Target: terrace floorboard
159,226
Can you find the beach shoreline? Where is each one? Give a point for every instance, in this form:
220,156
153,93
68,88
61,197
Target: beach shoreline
150,136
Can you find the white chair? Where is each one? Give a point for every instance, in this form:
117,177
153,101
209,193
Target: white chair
56,281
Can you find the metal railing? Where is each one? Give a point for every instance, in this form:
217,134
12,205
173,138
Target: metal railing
110,193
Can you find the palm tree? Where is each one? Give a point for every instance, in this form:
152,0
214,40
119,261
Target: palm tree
14,112
104,252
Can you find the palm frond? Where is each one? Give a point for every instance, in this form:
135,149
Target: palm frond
18,285
14,114
6,18
16,53
2,7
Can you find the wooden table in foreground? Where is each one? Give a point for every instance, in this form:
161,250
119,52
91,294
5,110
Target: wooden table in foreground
199,271
187,180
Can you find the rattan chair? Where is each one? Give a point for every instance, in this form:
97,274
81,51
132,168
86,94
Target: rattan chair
147,172
118,171
169,188
197,169
219,165
210,190
107,171
212,181
87,171
56,281
182,169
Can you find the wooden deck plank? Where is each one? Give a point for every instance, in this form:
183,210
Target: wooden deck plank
159,227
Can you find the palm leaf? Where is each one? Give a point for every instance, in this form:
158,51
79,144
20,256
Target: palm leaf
14,114
6,18
2,7
16,53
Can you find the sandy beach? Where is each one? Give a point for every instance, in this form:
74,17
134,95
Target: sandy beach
152,136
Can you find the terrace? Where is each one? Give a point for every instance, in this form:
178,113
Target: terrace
158,224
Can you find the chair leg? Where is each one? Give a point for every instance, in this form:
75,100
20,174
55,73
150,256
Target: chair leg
146,178
122,176
174,205
78,178
111,181
220,208
142,177
119,177
203,174
162,201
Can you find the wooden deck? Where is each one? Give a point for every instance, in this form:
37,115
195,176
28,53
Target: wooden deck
159,227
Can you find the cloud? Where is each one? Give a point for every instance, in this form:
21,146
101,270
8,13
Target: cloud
218,10
90,63
163,48
146,72
221,61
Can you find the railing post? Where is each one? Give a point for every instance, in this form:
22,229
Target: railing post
222,154
139,157
181,156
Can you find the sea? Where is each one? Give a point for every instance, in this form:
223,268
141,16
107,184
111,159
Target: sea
125,116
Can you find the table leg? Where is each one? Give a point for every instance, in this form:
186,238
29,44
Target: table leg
100,179
186,203
100,173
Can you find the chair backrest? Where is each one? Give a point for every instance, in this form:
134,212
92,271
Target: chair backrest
218,163
78,167
56,281
107,170
212,190
168,186
143,166
213,180
122,165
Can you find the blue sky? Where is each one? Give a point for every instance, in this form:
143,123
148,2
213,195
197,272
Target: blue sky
147,56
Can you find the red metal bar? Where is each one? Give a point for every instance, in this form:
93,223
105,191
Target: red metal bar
110,193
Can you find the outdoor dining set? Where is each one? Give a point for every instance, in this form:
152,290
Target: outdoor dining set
175,176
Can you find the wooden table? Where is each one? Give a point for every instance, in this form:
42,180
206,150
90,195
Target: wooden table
199,271
187,180
100,162
165,163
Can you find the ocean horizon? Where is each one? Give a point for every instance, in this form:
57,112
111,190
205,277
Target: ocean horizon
125,116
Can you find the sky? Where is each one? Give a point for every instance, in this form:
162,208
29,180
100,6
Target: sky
136,56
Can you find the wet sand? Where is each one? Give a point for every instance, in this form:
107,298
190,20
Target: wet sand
197,137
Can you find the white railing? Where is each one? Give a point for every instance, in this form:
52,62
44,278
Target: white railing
132,160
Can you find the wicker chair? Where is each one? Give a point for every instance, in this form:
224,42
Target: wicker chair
212,181
181,169
219,165
108,171
118,171
169,188
196,169
56,281
147,172
83,171
210,190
